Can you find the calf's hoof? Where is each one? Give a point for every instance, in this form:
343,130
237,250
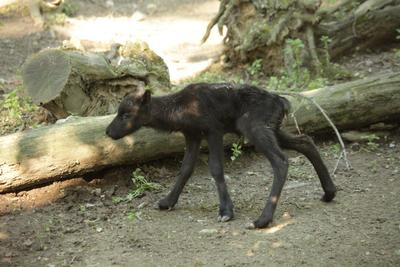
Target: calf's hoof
225,215
164,204
258,224
224,218
329,196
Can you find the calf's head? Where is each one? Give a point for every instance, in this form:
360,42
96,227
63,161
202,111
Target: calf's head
133,113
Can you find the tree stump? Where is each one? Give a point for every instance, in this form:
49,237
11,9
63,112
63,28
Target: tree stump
259,29
73,82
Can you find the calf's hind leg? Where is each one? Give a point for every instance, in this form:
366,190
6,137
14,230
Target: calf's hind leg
304,145
264,139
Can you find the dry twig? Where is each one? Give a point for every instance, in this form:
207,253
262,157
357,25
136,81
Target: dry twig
343,152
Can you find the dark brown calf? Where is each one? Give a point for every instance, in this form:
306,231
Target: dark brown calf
209,111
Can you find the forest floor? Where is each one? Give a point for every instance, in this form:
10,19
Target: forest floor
80,223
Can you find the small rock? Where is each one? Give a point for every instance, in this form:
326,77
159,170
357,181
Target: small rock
99,229
142,205
286,215
69,230
27,243
355,146
369,63
110,191
96,191
208,231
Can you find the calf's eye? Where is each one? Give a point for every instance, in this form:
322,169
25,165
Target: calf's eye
125,116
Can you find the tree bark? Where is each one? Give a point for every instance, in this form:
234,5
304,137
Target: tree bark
80,146
72,82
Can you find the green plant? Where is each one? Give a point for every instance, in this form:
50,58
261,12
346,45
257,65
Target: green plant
317,83
336,149
13,104
56,19
70,9
294,77
141,184
16,105
14,109
82,208
326,58
371,141
329,69
133,215
117,200
236,150
207,77
256,68
397,54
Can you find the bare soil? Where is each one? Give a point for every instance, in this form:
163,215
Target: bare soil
80,223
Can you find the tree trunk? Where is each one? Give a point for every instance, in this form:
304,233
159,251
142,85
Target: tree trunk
73,148
72,82
260,28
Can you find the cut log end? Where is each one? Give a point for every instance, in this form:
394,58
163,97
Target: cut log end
45,75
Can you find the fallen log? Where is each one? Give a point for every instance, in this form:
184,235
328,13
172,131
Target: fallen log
373,23
80,146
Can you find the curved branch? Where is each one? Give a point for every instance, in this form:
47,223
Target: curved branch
344,152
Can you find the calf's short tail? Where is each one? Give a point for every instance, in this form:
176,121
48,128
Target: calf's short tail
286,105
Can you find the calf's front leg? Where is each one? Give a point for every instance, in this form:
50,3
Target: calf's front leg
215,164
188,164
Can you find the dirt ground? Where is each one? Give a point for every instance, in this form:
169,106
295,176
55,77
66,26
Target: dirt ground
81,223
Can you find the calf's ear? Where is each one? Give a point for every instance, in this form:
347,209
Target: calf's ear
146,97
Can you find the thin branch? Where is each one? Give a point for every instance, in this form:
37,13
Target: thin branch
295,122
344,152
337,163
